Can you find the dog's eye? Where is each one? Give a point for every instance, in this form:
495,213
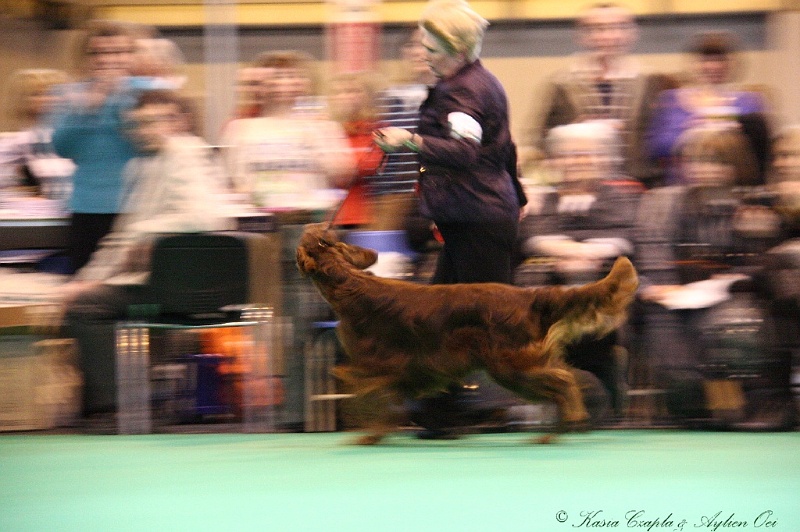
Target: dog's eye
324,244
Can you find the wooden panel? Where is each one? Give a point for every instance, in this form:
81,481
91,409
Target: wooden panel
179,13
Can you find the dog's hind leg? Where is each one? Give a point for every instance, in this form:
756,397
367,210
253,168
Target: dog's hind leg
556,383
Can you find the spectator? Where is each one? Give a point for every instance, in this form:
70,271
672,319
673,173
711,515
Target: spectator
603,82
158,63
585,223
785,181
174,190
26,154
249,87
289,157
593,199
682,315
352,104
89,128
708,98
396,183
400,105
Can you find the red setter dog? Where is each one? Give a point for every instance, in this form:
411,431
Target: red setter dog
406,340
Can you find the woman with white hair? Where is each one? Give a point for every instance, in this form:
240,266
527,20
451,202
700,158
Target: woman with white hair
465,150
584,152
467,182
584,223
591,201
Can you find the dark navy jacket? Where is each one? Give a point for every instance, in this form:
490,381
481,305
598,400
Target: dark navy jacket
461,181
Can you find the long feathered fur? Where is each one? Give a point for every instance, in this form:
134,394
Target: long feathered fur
409,339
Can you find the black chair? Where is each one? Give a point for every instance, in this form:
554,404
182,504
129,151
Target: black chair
197,277
197,281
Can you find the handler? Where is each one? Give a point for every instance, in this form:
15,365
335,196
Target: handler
465,151
467,182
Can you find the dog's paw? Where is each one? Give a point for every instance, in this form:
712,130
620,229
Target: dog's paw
368,439
564,427
583,425
546,439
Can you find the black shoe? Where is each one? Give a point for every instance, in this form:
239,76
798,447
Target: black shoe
437,434
99,424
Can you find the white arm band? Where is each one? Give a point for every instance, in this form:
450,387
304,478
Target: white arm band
463,126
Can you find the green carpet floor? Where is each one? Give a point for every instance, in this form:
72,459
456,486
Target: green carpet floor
315,482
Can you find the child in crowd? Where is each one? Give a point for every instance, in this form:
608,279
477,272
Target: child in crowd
706,330
352,104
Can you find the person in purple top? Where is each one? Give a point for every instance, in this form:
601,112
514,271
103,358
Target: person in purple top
466,153
467,184
709,98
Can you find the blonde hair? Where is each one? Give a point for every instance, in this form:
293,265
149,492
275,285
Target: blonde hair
157,56
290,60
367,83
21,85
722,145
456,26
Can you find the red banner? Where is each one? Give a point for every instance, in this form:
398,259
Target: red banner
354,46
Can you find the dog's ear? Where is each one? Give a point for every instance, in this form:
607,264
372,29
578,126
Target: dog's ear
361,258
305,263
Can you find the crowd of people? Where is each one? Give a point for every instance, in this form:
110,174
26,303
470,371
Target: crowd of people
687,175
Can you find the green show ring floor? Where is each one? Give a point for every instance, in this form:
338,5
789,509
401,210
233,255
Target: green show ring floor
602,480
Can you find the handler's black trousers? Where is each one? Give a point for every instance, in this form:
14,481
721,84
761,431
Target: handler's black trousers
472,253
476,253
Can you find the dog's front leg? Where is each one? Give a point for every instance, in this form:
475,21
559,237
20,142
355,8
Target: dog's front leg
374,437
377,413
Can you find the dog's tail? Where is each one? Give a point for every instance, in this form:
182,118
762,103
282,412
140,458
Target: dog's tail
596,308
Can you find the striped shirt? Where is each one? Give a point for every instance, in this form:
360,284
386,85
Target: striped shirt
399,107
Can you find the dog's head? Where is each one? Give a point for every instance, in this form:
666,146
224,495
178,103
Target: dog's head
320,243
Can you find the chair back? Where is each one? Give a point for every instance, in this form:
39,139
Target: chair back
199,273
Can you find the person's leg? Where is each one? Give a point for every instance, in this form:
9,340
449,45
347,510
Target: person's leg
472,253
445,269
596,356
91,319
476,253
86,230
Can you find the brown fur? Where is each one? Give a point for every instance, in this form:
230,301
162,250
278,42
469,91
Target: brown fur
407,340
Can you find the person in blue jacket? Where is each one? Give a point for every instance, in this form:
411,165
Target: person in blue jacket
90,128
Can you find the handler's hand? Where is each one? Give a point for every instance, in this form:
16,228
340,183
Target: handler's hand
390,139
